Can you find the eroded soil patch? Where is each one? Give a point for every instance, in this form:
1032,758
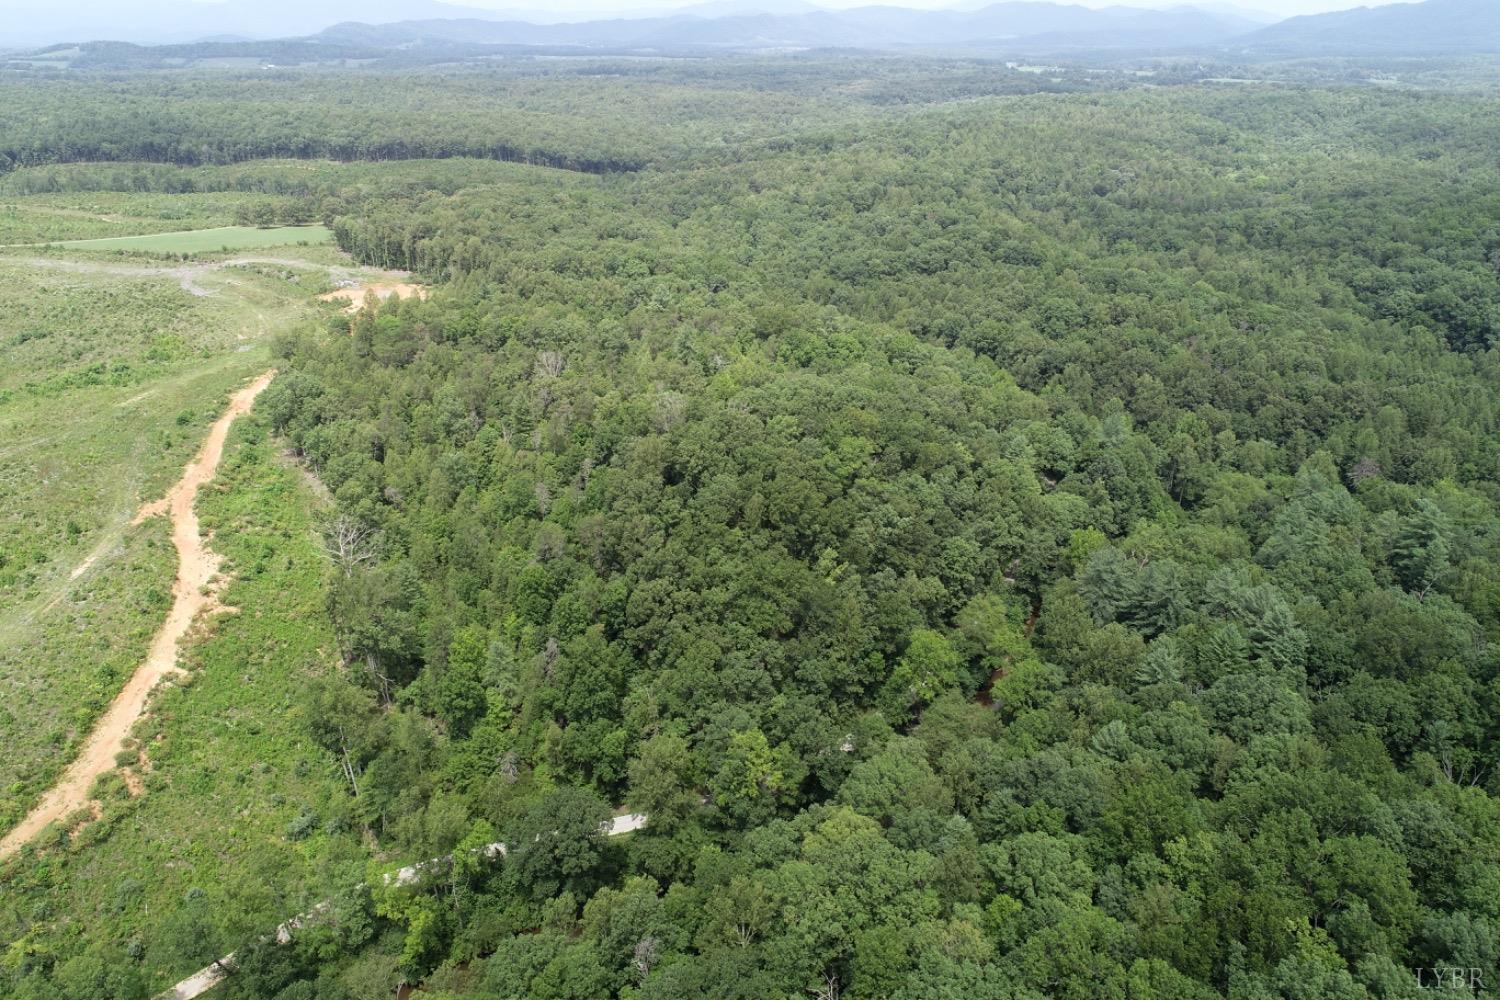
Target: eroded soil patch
359,296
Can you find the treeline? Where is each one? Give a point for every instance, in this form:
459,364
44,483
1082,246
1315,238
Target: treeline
118,56
317,180
597,115
144,140
114,57
192,120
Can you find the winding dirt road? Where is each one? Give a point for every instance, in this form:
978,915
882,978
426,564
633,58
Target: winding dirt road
194,592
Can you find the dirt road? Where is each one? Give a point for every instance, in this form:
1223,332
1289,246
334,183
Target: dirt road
194,592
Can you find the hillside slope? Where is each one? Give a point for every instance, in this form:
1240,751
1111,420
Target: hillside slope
1433,27
1011,25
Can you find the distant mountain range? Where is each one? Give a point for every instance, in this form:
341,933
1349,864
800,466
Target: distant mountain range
1009,25
1437,26
1019,26
156,22
716,23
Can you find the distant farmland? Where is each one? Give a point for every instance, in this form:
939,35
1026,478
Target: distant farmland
208,240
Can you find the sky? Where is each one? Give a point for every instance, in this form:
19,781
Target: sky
571,9
1285,8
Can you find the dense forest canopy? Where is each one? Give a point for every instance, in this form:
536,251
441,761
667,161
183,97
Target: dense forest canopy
1030,545
593,116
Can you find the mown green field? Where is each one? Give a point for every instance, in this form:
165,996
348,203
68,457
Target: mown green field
196,241
50,215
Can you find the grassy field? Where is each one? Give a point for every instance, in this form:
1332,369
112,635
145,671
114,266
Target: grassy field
111,369
224,826
109,375
110,372
196,241
107,384
51,217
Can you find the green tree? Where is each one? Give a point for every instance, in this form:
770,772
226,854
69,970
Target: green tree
1422,549
559,843
929,667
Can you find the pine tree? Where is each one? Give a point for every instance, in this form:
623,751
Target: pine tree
1422,551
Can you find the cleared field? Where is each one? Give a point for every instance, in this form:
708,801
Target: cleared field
109,377
208,240
52,216
204,858
195,595
110,372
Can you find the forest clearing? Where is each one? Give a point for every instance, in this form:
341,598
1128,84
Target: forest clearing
188,242
81,450
195,592
194,241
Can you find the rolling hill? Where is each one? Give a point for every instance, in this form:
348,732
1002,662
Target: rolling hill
1009,25
1433,27
155,22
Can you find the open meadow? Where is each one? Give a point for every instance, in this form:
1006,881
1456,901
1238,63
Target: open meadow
43,216
111,368
197,241
118,354
222,840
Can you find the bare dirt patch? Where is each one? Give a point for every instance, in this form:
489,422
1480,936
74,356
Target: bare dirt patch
360,296
195,592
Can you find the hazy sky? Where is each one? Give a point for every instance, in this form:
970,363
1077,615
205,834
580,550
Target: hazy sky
1286,8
